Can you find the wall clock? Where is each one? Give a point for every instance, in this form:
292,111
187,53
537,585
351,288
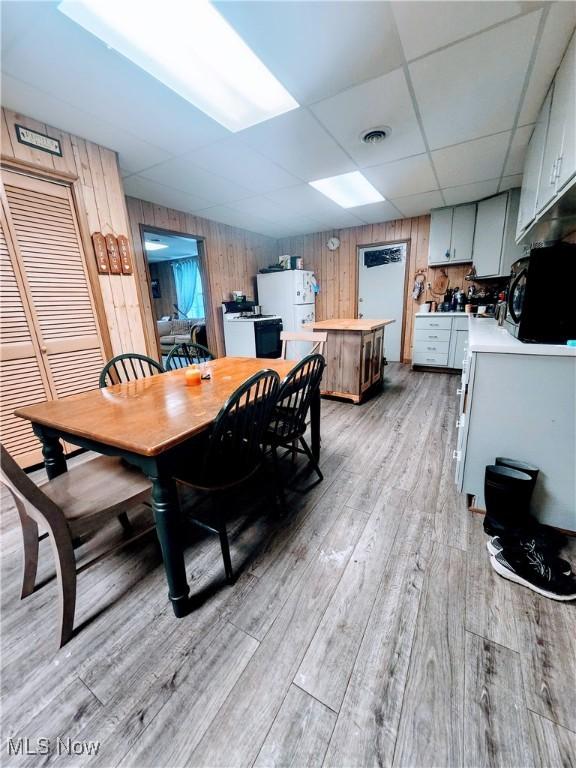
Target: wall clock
333,243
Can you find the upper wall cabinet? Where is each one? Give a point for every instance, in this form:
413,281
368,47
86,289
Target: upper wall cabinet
550,165
452,235
494,247
559,162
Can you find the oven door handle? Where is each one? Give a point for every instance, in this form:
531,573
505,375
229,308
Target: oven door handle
513,285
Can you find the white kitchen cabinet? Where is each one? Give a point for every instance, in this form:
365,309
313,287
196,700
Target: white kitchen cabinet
463,223
520,405
559,163
533,167
439,339
495,248
458,351
440,236
451,234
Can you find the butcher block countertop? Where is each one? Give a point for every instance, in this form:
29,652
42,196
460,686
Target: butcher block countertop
365,324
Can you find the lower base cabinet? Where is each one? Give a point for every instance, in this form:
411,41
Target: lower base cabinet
521,406
440,340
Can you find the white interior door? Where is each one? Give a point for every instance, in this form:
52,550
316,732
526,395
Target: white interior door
381,278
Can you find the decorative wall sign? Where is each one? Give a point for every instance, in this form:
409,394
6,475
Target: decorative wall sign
125,257
389,254
113,255
101,252
38,140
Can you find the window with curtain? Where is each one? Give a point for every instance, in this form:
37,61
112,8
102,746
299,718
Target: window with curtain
189,294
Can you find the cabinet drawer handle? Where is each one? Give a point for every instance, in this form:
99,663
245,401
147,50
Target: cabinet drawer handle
553,172
458,423
431,349
433,325
447,254
558,166
433,337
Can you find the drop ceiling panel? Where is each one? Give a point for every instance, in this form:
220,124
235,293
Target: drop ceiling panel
384,101
418,205
375,212
317,49
226,215
472,161
103,83
298,143
473,88
232,159
517,154
425,26
182,174
403,177
467,193
137,186
558,29
134,154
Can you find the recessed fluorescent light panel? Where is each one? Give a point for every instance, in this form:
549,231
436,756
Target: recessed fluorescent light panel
152,246
348,190
191,48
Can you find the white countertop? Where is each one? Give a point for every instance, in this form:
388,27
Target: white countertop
441,314
485,335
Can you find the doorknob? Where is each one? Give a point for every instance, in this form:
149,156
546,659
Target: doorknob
360,314
359,300
43,350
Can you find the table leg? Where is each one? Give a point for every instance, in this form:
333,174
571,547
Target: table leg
53,453
167,516
315,424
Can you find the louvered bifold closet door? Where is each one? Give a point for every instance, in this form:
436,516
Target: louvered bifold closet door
22,379
52,259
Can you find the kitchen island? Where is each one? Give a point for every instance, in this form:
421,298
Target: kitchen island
354,356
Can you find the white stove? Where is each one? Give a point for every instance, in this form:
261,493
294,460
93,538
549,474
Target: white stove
247,335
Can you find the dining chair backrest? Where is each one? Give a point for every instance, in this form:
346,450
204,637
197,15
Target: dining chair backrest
294,398
29,498
128,367
317,338
233,450
186,354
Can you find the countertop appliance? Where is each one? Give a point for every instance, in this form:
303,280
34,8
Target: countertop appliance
250,335
540,301
290,294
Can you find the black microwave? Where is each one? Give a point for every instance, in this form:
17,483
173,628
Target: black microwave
540,300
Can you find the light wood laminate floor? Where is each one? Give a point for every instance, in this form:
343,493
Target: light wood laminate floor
366,627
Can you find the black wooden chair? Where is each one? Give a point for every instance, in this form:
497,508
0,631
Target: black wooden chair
232,450
128,367
288,424
186,354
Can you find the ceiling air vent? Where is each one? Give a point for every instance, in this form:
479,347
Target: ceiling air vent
375,135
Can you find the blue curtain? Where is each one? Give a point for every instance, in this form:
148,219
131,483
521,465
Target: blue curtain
189,293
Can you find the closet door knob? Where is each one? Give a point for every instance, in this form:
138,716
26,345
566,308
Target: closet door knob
43,350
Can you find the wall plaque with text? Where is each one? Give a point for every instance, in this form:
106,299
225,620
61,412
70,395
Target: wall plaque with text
113,255
101,253
38,140
125,256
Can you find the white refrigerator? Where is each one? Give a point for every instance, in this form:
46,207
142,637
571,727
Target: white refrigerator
290,294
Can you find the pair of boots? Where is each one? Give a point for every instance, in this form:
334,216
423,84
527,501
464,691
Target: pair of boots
521,549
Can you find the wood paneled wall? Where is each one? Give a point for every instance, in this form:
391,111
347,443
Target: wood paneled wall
93,174
337,271
230,261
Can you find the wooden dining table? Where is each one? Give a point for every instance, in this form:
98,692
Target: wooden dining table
148,422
